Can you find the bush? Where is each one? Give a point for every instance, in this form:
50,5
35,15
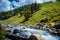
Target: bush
2,33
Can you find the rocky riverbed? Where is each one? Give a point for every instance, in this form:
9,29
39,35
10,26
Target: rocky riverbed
44,32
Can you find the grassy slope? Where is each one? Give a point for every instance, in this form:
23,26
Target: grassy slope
50,11
13,20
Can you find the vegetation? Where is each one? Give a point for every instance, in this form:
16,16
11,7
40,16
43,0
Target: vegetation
26,10
2,33
28,15
31,15
58,0
48,13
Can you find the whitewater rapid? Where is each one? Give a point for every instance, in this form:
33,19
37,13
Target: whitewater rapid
45,34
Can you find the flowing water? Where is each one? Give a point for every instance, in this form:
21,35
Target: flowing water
45,34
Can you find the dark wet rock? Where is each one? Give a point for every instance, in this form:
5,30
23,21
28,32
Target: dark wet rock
57,26
57,29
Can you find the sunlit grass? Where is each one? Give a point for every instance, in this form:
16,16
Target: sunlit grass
49,11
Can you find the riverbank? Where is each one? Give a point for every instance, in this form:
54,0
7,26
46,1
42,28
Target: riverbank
53,31
37,27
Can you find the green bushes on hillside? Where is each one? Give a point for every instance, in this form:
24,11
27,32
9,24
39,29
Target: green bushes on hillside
47,12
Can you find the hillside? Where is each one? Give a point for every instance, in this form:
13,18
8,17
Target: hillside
49,13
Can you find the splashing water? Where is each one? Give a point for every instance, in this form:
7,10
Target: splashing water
46,35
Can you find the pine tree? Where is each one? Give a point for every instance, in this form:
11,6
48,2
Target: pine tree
58,0
35,6
32,8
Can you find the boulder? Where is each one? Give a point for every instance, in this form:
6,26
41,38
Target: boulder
36,37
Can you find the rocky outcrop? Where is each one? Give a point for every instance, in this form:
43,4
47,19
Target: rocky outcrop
57,29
